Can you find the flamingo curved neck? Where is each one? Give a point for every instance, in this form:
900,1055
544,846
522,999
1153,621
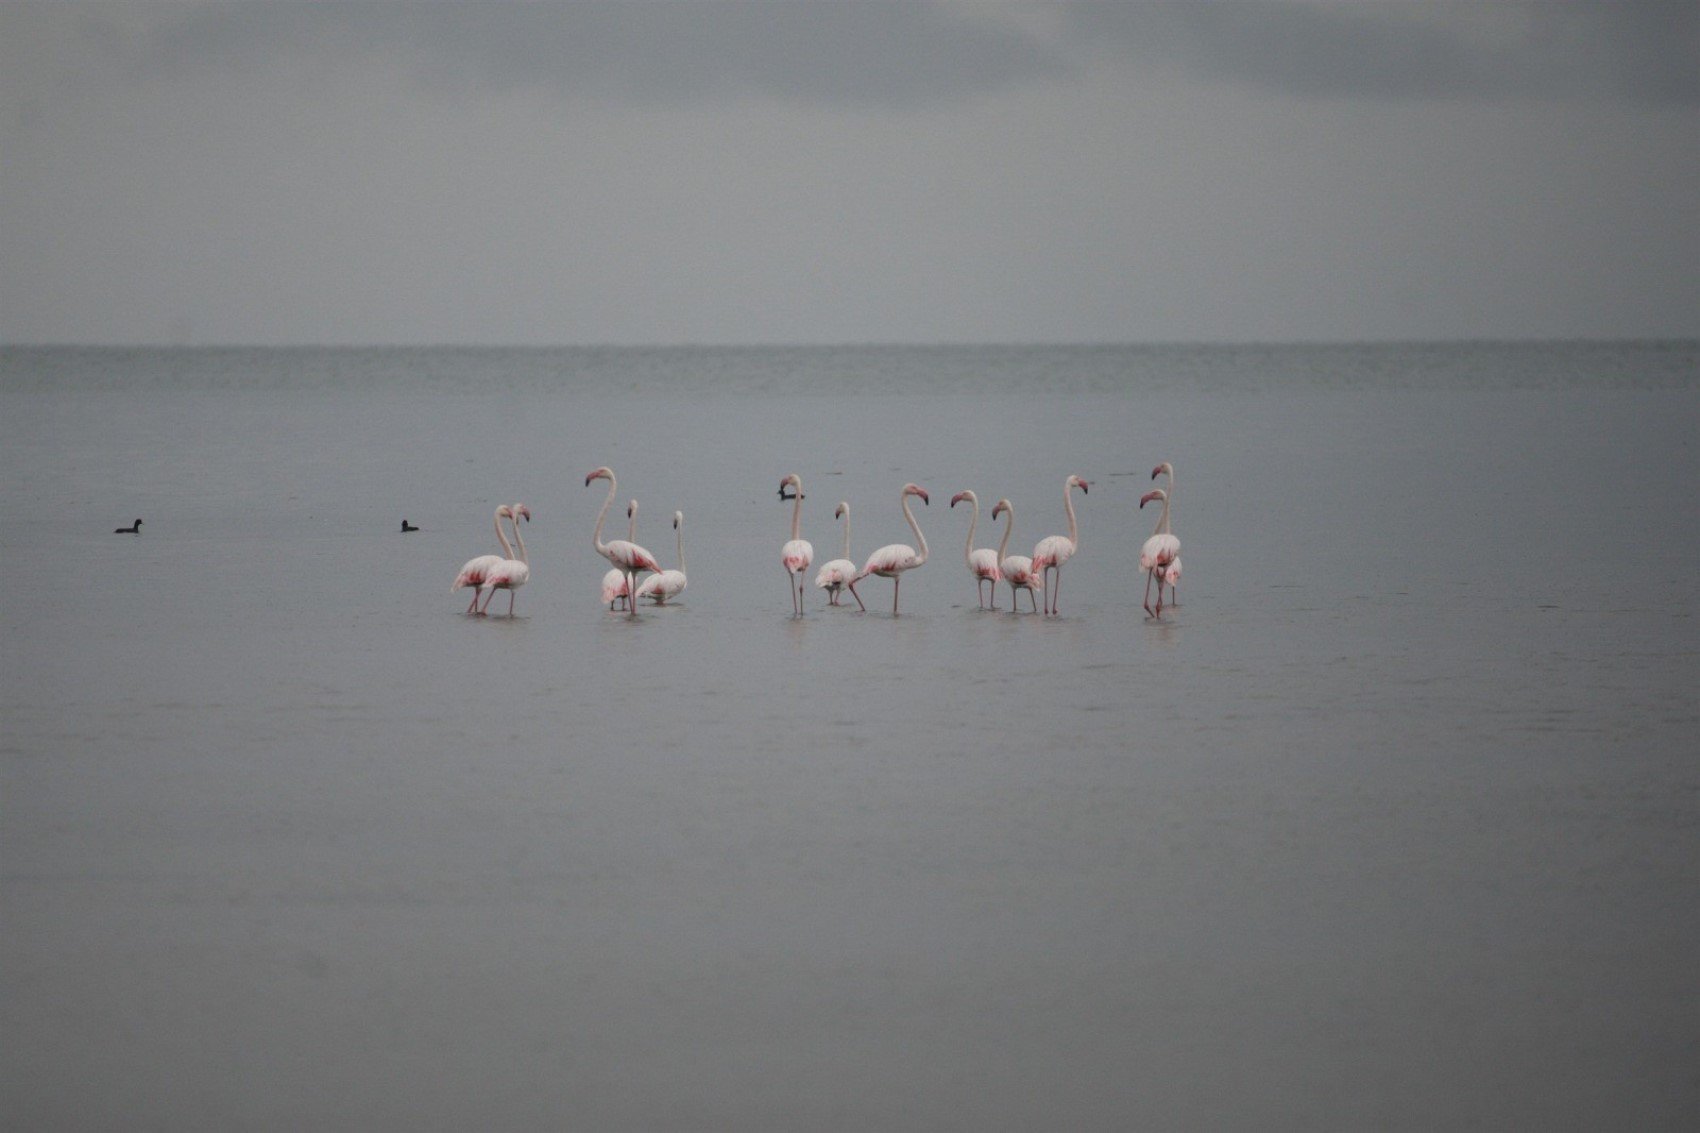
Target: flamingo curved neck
916,528
679,544
520,539
797,511
1162,527
596,536
502,537
973,522
846,553
1008,526
1073,528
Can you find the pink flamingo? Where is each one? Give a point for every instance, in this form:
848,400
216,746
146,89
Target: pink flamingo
658,588
623,553
1173,573
614,582
1160,558
982,563
1055,550
1017,570
891,560
798,552
836,572
510,574
474,572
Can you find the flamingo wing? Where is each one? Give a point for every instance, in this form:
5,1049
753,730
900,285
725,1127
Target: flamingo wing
660,587
797,554
1158,550
835,573
630,556
890,559
475,571
1053,550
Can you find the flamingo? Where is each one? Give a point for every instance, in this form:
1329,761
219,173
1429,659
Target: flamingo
1055,550
136,529
669,583
798,552
1017,570
623,553
614,582
982,563
1160,558
474,572
513,573
893,559
836,572
1175,565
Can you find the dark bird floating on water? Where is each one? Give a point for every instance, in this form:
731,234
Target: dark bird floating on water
136,529
405,526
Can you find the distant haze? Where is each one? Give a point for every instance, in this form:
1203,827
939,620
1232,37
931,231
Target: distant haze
912,171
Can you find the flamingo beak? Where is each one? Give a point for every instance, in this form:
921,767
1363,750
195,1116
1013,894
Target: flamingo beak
1148,497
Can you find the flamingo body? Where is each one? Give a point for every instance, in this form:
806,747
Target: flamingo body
626,555
1017,570
512,573
475,571
614,587
983,561
798,552
1055,550
835,574
891,560
1160,557
669,584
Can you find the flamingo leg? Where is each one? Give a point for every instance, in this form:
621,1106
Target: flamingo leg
474,603
631,593
512,594
1032,601
1148,576
896,585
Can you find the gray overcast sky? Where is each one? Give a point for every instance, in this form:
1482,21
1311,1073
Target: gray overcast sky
854,171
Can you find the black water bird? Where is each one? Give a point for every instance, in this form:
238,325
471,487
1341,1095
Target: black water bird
135,529
405,527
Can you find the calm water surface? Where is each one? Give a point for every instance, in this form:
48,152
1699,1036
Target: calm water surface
1392,823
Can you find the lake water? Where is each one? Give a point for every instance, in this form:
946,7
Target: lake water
1392,823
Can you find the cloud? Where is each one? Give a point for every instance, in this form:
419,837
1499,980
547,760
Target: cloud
1637,49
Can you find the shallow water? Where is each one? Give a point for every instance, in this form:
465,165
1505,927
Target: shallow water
1390,823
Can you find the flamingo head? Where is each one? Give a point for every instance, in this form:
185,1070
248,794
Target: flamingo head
960,496
1162,468
841,511
520,511
793,482
505,511
1079,482
916,490
1000,507
678,518
1153,494
631,508
603,473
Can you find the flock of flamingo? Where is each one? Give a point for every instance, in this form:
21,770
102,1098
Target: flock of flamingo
1159,558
